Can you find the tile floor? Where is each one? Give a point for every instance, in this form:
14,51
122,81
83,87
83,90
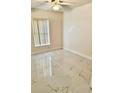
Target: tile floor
60,72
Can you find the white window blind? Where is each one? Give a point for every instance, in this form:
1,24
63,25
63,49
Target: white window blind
41,32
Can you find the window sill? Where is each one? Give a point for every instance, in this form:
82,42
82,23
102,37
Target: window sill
42,45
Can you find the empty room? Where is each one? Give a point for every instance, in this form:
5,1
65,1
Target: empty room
61,46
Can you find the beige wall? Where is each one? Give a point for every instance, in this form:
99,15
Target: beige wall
56,30
77,30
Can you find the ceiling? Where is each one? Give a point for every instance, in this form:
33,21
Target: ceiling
76,3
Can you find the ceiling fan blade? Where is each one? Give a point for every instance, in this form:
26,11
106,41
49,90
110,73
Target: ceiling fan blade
65,7
68,4
64,1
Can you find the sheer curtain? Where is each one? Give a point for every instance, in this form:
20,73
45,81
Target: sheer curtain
41,32
35,33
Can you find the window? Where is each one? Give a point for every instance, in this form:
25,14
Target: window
41,32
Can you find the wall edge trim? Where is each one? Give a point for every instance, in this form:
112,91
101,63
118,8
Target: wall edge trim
80,54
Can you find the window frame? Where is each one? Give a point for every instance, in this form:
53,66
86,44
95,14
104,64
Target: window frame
48,32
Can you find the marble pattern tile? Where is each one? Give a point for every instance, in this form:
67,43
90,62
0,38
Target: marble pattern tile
60,72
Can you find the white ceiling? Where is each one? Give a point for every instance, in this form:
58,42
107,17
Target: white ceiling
76,3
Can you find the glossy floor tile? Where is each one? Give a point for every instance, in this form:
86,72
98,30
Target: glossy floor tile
60,72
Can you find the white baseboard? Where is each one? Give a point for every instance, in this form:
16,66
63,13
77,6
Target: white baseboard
80,54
